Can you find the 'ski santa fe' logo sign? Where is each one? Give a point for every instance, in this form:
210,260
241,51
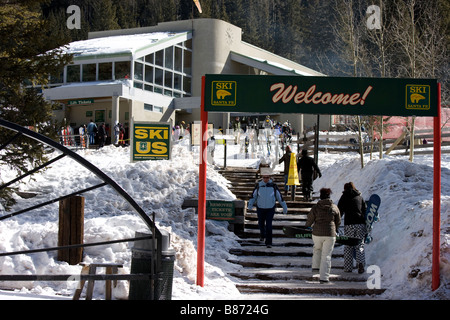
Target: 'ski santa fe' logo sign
223,93
417,97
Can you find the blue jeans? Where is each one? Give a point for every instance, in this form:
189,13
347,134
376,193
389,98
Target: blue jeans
286,187
92,138
265,217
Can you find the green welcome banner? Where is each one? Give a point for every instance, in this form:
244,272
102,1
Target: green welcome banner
321,95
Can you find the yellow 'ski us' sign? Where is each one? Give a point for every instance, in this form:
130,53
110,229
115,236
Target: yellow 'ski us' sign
151,141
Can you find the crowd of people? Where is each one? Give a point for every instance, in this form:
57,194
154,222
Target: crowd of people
94,134
100,134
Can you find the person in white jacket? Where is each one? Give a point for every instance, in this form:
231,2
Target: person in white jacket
264,196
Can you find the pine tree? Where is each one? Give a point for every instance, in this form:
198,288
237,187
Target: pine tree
104,15
318,36
26,57
126,13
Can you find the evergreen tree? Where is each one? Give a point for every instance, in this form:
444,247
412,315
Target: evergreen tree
126,13
26,57
235,11
104,15
317,35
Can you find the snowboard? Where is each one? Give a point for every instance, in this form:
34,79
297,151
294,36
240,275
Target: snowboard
306,233
372,215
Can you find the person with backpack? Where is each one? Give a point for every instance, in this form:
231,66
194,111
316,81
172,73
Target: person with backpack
264,196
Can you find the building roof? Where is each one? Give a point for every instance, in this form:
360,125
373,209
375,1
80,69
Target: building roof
273,67
121,45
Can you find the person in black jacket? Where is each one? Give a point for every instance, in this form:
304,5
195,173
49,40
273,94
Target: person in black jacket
102,135
352,205
306,167
286,158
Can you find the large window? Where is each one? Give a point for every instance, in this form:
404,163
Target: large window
167,71
89,72
102,71
150,107
178,60
105,71
122,70
57,78
138,71
73,73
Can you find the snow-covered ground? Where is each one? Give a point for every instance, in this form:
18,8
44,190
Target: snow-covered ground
402,246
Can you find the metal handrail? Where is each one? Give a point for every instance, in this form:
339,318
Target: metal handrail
73,246
84,163
156,233
52,201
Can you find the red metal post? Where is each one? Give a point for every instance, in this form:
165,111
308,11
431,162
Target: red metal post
202,192
436,196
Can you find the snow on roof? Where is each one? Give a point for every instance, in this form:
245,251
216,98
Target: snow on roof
123,44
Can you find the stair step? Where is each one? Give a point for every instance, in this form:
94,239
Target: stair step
308,287
300,215
276,224
283,251
276,242
296,274
279,262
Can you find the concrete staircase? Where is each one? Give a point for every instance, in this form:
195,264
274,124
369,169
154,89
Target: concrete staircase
285,268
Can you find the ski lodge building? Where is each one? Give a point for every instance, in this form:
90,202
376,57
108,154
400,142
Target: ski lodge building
154,74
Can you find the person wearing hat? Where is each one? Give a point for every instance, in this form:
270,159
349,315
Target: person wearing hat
264,196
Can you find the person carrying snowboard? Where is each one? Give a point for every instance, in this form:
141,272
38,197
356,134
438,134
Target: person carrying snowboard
306,167
324,218
353,207
265,194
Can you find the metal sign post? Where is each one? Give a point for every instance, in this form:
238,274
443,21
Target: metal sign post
202,193
435,272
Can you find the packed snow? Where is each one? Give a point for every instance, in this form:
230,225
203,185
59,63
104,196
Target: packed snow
402,245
